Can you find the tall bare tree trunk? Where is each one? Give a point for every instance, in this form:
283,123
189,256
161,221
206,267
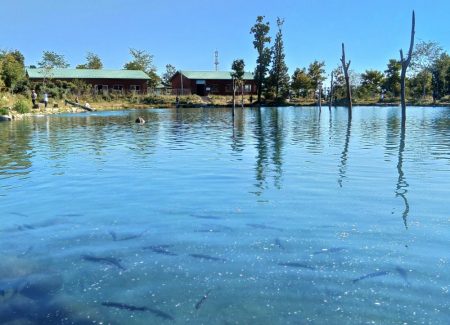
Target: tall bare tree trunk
345,67
320,96
242,94
405,63
330,103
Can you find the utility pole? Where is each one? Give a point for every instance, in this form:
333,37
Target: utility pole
216,60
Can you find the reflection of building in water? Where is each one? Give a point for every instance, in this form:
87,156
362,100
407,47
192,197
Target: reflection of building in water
344,154
402,185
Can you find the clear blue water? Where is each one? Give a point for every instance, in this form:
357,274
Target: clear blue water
291,217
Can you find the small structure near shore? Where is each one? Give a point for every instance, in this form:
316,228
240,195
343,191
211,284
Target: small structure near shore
102,81
204,83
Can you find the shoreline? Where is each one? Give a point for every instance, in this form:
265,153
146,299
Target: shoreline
114,106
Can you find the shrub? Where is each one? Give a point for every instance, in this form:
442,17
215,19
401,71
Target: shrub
22,106
4,111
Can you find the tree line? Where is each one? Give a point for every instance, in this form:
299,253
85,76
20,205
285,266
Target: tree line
429,76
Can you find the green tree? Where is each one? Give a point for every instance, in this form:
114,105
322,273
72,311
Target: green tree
440,71
424,56
237,76
420,84
316,73
52,60
12,69
93,62
260,32
278,75
143,61
166,76
339,91
392,81
301,82
371,82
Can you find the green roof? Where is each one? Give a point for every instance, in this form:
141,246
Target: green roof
87,74
216,75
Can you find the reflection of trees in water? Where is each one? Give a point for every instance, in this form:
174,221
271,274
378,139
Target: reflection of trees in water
261,152
269,147
15,149
344,154
402,185
237,143
276,136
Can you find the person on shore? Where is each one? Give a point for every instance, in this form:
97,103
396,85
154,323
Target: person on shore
33,98
45,100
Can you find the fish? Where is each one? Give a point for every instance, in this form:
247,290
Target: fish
116,238
29,249
70,215
210,217
277,242
160,249
403,274
154,311
371,275
25,227
208,230
108,260
262,226
297,264
329,250
202,300
19,214
207,257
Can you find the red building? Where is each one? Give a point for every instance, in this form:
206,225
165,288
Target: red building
102,81
205,83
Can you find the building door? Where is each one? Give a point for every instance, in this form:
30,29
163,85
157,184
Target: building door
201,87
201,90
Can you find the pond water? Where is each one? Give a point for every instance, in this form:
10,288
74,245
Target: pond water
294,216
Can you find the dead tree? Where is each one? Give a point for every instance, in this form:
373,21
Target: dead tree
330,103
345,67
405,63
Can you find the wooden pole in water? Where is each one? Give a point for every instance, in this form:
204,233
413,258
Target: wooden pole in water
330,103
345,67
405,63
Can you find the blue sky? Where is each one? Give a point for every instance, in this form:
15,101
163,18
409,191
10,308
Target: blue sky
186,33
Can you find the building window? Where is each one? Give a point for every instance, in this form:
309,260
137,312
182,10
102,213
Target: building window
214,89
228,88
118,88
248,88
135,88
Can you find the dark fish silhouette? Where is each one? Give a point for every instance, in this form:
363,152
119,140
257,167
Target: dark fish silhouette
70,215
371,275
160,249
262,226
19,214
25,227
207,257
297,264
202,300
117,238
329,250
208,230
278,243
107,260
210,217
403,274
154,311
29,249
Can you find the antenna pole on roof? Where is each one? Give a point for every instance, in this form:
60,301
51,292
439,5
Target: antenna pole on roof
216,60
